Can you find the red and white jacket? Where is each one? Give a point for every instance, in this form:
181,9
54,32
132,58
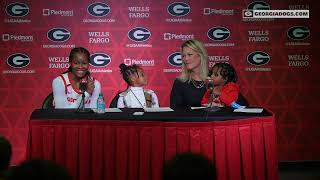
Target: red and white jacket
66,94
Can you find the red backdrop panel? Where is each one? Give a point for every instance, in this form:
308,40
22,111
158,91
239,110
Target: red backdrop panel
287,83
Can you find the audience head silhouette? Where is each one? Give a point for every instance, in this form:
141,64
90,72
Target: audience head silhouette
189,166
38,170
5,155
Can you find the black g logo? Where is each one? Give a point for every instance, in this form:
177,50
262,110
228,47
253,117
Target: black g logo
17,9
100,59
18,60
174,59
58,35
258,58
98,9
259,5
178,9
218,33
139,34
298,32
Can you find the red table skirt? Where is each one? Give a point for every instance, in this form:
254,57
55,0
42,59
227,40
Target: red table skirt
117,150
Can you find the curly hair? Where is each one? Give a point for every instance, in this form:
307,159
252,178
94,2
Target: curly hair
225,70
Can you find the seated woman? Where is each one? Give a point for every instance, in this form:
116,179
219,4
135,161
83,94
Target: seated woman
136,96
70,85
225,91
189,88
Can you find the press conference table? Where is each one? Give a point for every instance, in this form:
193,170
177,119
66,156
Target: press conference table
118,146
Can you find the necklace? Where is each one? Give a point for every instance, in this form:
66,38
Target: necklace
197,85
137,98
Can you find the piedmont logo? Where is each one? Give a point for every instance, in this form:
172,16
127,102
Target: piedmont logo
172,36
218,33
17,9
58,35
258,5
100,59
141,62
298,32
175,59
258,58
98,9
209,11
178,9
14,37
49,12
18,60
139,34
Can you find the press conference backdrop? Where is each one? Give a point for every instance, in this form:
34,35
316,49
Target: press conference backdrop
277,60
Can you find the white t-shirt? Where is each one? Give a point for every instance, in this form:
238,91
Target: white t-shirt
134,97
67,96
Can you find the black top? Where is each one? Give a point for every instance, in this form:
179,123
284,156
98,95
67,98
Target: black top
185,94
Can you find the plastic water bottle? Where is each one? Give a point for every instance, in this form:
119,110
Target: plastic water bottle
101,106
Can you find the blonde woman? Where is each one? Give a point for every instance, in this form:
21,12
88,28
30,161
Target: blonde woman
189,88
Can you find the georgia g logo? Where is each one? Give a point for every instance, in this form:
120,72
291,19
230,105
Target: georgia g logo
218,33
17,9
99,59
258,5
18,60
98,9
175,59
178,9
58,35
298,32
139,34
258,58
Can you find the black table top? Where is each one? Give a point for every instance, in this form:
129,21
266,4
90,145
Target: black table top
178,115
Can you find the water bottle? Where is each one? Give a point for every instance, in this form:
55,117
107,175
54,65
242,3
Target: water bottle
101,105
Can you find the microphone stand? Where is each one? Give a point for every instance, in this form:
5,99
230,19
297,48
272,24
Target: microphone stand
211,108
81,108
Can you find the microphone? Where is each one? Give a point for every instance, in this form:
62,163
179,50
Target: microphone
229,95
82,88
83,85
210,87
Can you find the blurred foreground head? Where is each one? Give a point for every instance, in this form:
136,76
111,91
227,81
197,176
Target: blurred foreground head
38,170
189,166
5,155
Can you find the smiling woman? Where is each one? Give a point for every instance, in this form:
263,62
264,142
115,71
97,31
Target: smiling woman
189,88
71,85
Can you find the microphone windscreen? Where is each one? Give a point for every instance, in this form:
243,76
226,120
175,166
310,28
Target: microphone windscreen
229,93
83,85
209,83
